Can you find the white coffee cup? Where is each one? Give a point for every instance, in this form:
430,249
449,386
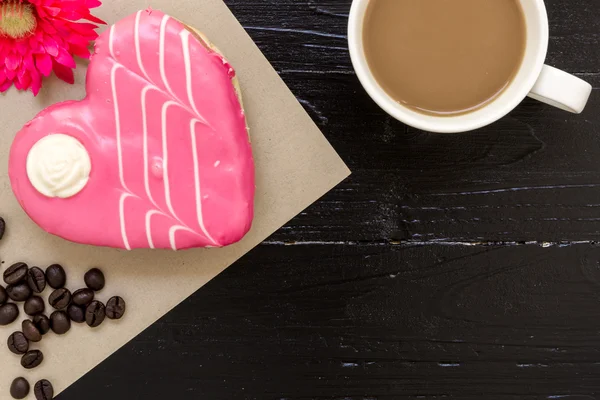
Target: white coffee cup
534,79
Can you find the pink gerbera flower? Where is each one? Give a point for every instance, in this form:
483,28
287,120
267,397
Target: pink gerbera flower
41,36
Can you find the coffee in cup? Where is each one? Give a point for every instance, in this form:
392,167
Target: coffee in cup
457,65
444,57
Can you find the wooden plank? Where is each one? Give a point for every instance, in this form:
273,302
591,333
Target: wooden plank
532,176
374,322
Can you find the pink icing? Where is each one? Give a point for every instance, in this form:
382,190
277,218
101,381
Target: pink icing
187,182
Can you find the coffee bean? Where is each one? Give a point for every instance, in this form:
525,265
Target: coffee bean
60,298
115,307
36,279
3,295
8,313
15,273
95,313
17,343
19,292
30,331
19,388
43,390
94,279
2,227
56,276
76,313
83,297
42,323
32,359
34,305
59,322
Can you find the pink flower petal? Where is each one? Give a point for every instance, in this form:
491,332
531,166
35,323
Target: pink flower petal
4,51
50,46
35,45
41,12
10,74
36,82
48,28
64,73
79,40
21,47
4,87
53,11
28,62
70,15
92,3
36,85
90,17
13,61
25,80
65,58
83,27
43,62
80,51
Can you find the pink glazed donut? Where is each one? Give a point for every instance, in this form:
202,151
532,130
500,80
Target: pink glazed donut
157,155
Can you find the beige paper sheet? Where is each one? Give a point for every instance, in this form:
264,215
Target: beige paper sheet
295,165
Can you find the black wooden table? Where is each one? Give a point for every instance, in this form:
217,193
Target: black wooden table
459,266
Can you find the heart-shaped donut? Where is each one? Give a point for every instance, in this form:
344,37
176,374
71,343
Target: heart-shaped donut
157,155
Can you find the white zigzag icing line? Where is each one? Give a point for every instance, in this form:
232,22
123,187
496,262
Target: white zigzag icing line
149,215
165,108
185,36
122,199
172,232
185,44
118,134
145,144
116,107
197,181
137,44
161,50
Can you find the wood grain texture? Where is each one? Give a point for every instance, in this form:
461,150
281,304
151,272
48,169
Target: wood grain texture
374,322
447,266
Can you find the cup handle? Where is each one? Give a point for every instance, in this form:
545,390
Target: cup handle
561,89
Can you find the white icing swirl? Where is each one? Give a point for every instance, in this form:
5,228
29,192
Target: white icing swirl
58,166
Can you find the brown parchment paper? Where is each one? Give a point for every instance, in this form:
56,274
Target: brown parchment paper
295,165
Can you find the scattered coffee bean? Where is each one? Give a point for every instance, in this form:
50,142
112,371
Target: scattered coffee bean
15,273
32,359
31,332
36,279
3,295
60,298
115,307
19,292
34,305
2,227
42,323
17,343
8,313
43,390
94,279
95,313
19,388
56,276
83,297
59,322
76,313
